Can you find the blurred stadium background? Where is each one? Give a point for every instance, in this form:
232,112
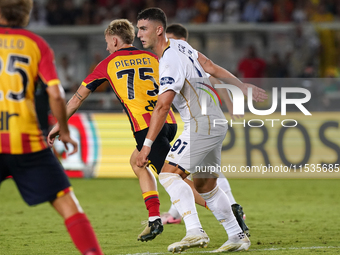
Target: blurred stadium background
272,43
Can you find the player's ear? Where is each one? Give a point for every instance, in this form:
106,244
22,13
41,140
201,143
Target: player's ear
159,30
115,41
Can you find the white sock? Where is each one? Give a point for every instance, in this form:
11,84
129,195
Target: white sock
153,218
225,186
173,211
182,197
218,203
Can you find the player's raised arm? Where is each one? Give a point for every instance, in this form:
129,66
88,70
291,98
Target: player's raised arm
259,95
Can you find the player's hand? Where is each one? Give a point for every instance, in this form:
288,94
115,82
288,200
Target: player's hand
142,158
259,95
52,135
66,139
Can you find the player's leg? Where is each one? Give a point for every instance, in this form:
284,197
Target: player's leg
237,209
159,150
182,197
148,185
40,178
77,224
172,216
216,199
171,177
223,183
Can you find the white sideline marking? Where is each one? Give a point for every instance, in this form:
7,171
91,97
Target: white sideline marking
266,249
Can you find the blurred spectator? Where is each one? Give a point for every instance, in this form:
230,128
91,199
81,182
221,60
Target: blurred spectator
257,11
282,10
64,12
299,14
69,13
305,50
184,11
66,73
38,16
108,16
309,71
169,7
337,9
201,11
312,85
86,14
109,12
216,11
232,11
276,68
331,6
328,48
251,66
150,3
54,15
130,9
322,14
331,85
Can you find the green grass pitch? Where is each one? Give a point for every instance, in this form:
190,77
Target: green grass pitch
285,216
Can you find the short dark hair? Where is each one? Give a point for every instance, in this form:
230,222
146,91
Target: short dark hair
16,12
153,13
178,30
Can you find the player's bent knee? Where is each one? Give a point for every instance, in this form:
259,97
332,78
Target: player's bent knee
67,205
203,185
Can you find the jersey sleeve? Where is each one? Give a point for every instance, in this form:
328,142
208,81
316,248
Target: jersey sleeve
97,77
47,69
171,73
195,54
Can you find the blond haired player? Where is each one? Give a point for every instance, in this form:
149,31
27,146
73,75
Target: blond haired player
133,76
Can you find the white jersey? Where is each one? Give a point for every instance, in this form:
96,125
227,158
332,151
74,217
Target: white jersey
195,100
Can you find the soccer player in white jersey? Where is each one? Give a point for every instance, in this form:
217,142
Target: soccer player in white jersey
183,82
179,32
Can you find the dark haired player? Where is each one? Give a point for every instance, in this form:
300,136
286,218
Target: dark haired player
182,73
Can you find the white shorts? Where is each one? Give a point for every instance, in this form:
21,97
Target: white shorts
192,150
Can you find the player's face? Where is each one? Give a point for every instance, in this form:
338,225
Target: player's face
110,44
147,33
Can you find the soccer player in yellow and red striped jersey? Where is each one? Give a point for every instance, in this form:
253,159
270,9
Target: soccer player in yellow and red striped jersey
24,155
133,75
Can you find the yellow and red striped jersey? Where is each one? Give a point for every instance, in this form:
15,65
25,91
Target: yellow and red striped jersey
24,58
133,75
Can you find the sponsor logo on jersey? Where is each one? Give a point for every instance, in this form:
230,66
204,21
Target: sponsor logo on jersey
167,80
